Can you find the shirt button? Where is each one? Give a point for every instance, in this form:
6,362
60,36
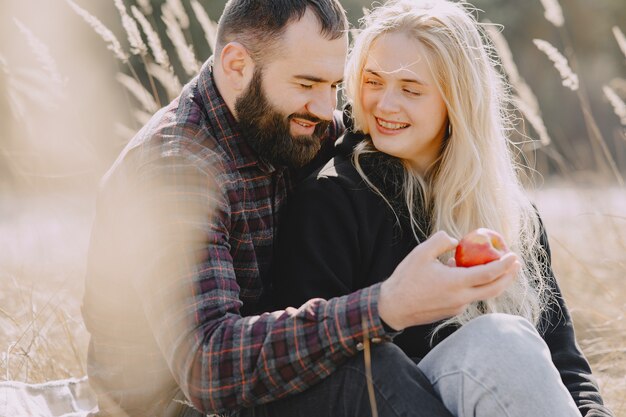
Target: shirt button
360,346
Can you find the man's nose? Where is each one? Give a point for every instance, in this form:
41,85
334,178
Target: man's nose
323,104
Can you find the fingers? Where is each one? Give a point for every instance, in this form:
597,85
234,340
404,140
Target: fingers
438,244
494,288
484,274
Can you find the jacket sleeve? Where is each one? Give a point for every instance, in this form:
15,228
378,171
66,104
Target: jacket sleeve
191,298
566,354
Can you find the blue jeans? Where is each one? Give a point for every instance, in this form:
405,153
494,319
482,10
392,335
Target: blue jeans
401,389
495,366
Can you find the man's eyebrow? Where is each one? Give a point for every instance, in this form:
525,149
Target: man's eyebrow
315,79
404,80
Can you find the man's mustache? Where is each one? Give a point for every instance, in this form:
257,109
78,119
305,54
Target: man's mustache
307,117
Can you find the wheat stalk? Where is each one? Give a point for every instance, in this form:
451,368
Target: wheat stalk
208,26
112,43
569,78
138,91
178,10
137,45
553,12
167,79
619,85
183,49
525,100
16,106
619,107
621,40
160,55
145,6
42,53
534,119
23,86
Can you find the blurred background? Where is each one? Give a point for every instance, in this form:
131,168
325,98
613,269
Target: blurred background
71,97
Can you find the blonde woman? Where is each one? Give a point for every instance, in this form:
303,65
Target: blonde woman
426,154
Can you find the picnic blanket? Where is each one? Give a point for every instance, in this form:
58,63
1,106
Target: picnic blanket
63,398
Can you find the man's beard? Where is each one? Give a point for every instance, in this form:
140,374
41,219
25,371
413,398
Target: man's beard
267,130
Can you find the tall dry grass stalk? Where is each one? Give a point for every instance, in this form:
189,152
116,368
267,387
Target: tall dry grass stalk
146,6
138,91
25,88
524,98
619,107
602,155
111,40
137,45
568,77
553,12
619,85
43,56
168,80
208,26
154,41
178,11
621,40
183,49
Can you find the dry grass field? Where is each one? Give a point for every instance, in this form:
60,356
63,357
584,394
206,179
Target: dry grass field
587,229
44,236
43,244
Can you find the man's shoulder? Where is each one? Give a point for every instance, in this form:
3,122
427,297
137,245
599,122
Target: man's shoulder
177,132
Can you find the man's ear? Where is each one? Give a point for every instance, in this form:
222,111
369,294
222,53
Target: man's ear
237,65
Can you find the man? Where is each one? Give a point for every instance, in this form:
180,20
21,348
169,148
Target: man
183,235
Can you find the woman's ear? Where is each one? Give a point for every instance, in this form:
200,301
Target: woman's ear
237,66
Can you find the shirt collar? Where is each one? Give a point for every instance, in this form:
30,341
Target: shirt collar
223,125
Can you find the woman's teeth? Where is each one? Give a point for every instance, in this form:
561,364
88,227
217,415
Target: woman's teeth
390,125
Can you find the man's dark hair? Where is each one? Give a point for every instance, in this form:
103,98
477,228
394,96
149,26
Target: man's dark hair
259,24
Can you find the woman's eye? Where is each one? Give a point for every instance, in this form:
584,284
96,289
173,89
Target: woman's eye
372,82
306,86
413,93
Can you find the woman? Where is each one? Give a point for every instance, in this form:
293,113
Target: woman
426,150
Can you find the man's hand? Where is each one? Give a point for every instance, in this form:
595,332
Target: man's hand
422,290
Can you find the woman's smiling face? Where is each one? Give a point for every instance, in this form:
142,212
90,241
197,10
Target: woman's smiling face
404,111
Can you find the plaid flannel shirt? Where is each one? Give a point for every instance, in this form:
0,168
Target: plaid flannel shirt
169,307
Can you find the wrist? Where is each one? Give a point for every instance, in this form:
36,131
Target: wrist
387,310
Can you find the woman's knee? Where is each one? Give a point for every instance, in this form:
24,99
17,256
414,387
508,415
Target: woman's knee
505,340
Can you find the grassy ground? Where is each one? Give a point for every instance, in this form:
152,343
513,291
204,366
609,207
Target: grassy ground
43,244
587,230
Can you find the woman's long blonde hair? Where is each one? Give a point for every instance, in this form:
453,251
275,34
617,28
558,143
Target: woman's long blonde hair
475,181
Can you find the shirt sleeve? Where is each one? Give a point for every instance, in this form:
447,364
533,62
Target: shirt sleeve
567,356
190,295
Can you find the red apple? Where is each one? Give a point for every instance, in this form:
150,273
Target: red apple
479,247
